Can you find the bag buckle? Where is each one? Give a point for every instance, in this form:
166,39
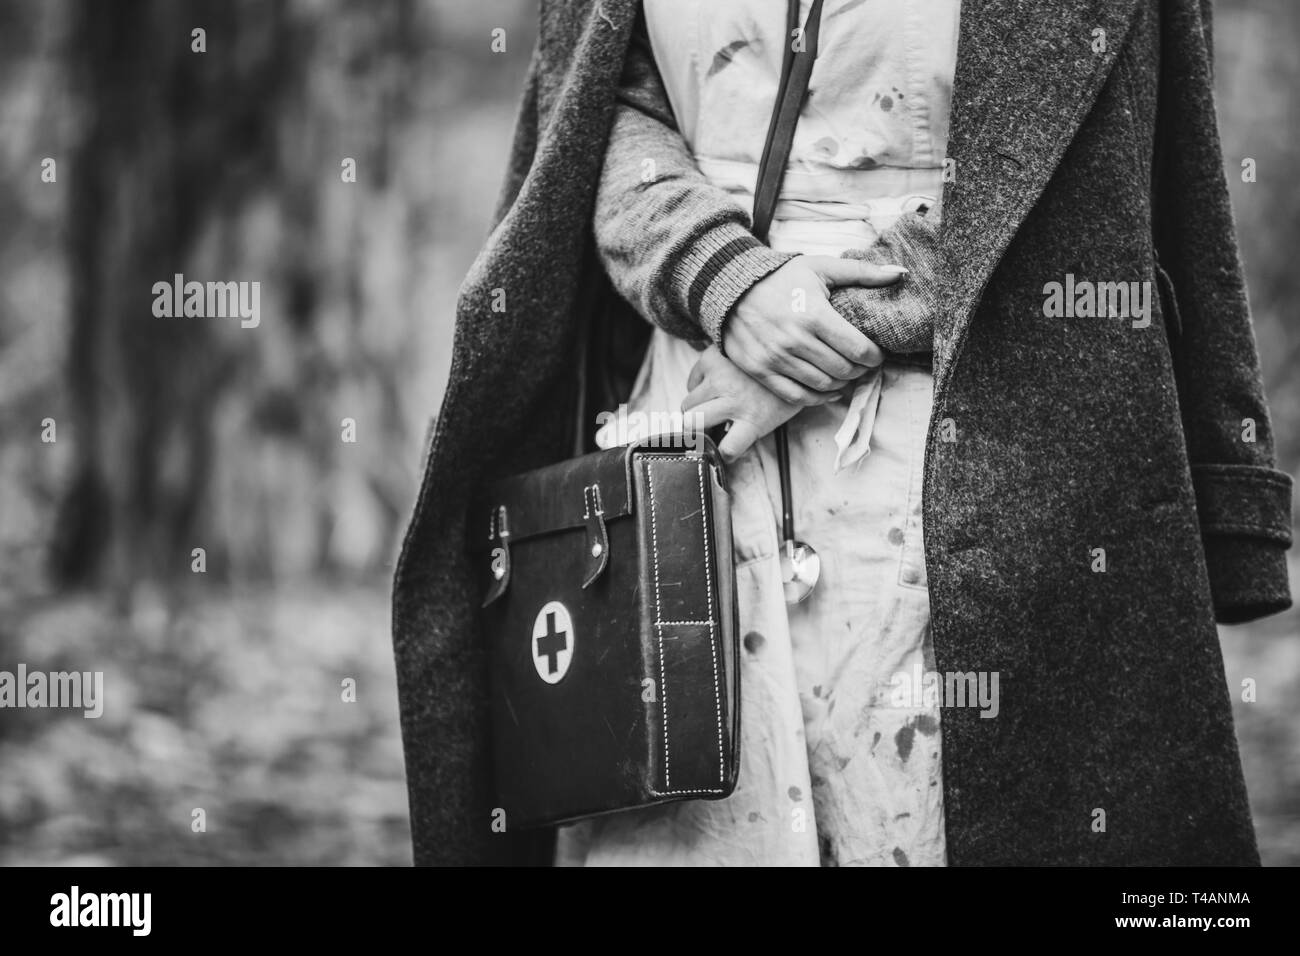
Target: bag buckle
593,512
499,532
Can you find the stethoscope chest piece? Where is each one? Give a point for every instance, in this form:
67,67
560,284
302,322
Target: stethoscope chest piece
801,566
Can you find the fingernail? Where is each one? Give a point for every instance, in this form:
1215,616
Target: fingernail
896,270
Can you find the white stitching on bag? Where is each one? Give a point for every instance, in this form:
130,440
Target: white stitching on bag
663,673
660,624
713,643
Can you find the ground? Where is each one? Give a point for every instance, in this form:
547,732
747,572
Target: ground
232,702
233,705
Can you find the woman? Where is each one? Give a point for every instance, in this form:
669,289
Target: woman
1096,486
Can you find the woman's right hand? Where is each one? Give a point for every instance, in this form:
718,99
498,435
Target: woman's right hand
784,333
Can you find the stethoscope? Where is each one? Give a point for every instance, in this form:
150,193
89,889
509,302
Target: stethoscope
800,565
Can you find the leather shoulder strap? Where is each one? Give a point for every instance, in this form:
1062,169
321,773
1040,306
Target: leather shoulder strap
796,68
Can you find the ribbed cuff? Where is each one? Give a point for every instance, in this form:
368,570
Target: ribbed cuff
1245,517
719,267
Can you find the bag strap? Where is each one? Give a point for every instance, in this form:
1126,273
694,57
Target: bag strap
796,69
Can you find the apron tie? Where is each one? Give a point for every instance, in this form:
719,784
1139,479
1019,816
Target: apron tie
853,439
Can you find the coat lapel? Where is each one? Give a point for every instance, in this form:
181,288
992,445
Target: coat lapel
1027,74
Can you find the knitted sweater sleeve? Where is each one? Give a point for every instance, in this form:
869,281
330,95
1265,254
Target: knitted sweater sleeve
680,249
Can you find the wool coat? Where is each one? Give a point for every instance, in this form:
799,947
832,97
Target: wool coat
1096,493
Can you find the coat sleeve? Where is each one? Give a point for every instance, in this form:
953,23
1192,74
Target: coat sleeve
680,249
1243,501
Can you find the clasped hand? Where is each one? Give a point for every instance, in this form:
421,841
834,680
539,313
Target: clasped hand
786,349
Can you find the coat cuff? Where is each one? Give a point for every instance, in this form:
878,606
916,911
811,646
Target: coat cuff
1245,517
717,268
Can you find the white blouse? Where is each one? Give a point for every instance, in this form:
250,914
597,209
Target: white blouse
872,137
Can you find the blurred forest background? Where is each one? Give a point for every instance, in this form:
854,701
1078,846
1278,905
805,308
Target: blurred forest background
224,689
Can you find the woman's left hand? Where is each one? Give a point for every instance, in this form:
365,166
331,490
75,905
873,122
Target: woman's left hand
721,392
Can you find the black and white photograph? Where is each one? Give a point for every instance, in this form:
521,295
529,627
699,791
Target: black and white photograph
651,433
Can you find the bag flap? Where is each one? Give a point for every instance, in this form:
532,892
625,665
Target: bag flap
562,496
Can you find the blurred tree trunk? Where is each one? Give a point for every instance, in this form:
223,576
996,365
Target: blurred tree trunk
171,135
